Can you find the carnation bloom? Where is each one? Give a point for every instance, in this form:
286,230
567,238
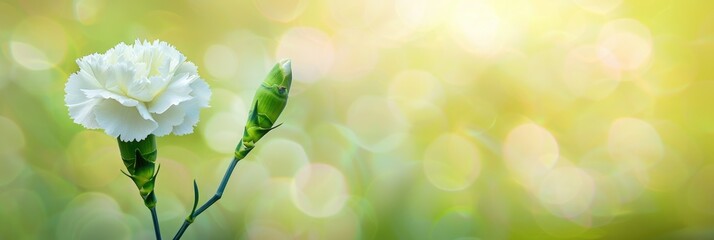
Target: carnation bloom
132,91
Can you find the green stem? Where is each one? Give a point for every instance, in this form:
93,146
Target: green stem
155,219
217,196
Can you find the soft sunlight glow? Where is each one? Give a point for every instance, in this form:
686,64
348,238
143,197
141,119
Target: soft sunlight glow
476,27
530,152
625,44
310,50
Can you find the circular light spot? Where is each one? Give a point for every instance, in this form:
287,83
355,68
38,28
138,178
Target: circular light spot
101,226
223,131
181,172
375,124
624,44
634,143
221,61
92,216
586,76
250,178
414,88
11,137
39,83
310,50
93,159
426,115
223,100
568,191
452,162
598,6
281,10
29,46
319,190
281,157
275,207
86,11
354,57
173,207
252,56
476,26
560,186
530,152
28,56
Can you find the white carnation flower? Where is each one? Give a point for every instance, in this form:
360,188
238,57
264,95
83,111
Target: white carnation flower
132,91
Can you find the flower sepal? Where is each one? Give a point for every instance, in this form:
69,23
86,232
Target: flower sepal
268,103
139,157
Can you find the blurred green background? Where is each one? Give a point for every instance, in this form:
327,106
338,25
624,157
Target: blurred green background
409,119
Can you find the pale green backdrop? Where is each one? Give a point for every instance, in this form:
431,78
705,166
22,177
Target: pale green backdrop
408,119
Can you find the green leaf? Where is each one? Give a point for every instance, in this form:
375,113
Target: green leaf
195,201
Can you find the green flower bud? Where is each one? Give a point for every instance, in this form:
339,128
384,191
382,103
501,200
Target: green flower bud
139,158
269,101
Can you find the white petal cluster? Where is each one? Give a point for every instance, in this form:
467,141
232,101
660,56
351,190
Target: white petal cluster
132,91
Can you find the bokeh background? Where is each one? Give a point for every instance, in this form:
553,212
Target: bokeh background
408,119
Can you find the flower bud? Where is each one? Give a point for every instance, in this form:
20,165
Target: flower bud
269,101
139,158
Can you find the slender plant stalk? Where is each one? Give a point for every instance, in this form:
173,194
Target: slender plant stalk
139,157
217,196
155,218
269,101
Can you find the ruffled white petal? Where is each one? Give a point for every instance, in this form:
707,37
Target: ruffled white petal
172,117
145,90
93,68
202,95
186,67
179,90
83,113
80,107
132,91
101,93
124,122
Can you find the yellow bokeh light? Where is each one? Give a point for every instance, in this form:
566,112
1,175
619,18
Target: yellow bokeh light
530,152
221,61
285,162
407,119
477,27
319,190
625,44
451,162
30,46
311,51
